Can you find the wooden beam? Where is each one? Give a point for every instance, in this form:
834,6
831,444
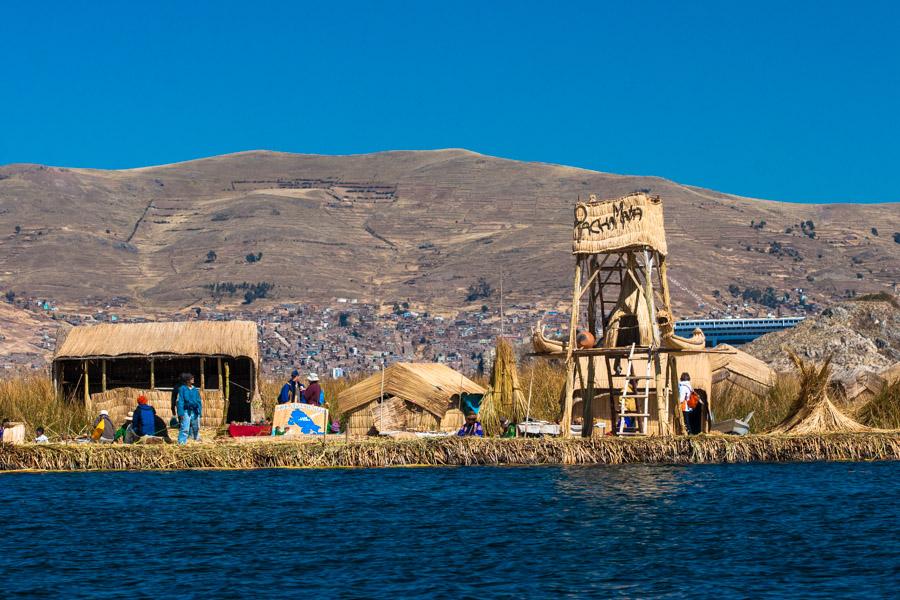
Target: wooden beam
103,376
227,390
221,387
202,373
570,365
587,400
152,375
87,386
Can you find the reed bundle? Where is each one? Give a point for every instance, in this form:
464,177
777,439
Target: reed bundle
813,411
454,451
504,396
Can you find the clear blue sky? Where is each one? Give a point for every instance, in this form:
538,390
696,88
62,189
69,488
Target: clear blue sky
783,100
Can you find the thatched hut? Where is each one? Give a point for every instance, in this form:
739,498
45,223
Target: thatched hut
405,396
733,368
108,366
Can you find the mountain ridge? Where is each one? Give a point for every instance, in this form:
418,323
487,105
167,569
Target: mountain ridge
397,225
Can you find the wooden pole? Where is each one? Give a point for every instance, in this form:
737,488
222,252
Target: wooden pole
103,375
587,400
221,386
202,373
87,386
227,390
673,382
570,363
152,375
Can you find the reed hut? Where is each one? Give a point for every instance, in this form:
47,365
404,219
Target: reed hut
405,396
108,366
733,368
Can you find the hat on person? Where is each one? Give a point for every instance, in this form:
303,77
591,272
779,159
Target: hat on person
130,415
313,377
104,413
142,399
294,373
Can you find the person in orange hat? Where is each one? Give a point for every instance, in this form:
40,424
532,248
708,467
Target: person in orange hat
144,420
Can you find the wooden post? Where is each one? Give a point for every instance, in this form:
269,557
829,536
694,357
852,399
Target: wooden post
673,381
202,373
221,387
103,376
570,363
587,399
226,391
648,297
87,384
152,376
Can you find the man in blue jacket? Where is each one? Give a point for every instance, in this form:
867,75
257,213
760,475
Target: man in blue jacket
289,391
143,420
190,409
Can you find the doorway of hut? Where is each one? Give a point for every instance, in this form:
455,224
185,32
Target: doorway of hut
239,390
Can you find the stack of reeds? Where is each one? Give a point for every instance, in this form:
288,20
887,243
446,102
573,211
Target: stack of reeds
813,411
504,397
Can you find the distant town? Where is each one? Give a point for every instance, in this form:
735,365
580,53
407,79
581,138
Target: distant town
346,337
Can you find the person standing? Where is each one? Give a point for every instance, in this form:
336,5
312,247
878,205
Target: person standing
190,409
685,389
289,390
313,394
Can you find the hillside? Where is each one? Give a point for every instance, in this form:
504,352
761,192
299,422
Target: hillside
402,225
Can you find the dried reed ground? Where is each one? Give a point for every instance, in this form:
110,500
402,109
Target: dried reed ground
453,451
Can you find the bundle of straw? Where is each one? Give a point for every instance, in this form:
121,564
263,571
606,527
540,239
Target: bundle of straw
813,411
504,396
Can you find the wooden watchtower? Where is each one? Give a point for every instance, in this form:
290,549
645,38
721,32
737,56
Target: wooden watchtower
620,355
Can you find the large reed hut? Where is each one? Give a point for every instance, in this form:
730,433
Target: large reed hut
108,366
405,396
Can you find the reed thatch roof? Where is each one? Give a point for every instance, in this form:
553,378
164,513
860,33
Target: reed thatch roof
186,338
630,222
429,385
746,371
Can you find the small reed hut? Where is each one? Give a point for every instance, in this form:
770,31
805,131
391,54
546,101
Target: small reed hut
108,366
406,396
733,368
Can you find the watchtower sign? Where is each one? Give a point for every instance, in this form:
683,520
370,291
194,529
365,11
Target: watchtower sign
634,221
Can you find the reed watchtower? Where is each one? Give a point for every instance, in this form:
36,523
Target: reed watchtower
621,352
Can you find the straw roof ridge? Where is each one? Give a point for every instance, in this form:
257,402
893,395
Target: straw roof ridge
429,385
226,338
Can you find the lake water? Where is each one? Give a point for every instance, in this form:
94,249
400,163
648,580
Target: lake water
767,530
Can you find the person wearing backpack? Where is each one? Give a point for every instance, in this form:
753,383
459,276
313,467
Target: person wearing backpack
190,408
687,401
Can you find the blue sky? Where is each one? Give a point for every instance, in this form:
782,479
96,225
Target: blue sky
784,100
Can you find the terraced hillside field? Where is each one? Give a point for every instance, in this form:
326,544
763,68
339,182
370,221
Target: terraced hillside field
393,226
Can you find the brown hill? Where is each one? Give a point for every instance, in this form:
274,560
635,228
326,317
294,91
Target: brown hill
401,225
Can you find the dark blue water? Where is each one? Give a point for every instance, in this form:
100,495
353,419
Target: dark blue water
800,530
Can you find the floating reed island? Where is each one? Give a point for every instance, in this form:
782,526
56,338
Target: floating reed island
453,451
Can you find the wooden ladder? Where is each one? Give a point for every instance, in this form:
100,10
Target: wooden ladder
641,415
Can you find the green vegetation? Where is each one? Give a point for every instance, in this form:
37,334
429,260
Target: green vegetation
252,291
479,289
